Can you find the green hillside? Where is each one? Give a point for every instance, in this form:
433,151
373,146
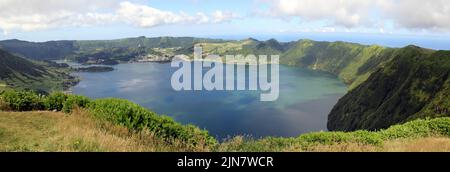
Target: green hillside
39,50
415,84
111,51
20,73
156,42
353,63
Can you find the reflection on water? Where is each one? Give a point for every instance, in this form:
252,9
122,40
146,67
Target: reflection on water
306,97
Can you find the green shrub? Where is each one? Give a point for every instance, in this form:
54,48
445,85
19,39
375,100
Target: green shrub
367,137
22,100
413,129
55,101
440,126
332,138
326,138
135,117
3,105
73,101
118,111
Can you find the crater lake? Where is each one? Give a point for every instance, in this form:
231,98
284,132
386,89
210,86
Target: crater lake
305,99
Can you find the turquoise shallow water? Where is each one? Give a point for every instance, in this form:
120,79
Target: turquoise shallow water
306,97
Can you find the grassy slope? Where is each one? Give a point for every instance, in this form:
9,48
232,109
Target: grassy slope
54,131
352,63
399,137
414,85
20,73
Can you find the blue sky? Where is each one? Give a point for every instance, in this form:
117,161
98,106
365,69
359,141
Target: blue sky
369,21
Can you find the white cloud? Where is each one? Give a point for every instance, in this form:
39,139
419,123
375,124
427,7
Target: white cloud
348,13
202,18
221,16
417,14
410,14
145,16
29,15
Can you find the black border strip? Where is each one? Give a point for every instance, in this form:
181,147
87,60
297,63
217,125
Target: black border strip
134,161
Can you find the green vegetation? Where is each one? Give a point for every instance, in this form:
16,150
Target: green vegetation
38,131
28,101
136,117
109,56
55,101
44,77
415,84
39,51
157,42
22,100
119,125
245,47
116,111
75,101
307,142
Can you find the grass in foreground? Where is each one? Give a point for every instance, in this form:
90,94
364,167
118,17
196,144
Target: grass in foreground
78,132
399,137
423,144
120,125
56,131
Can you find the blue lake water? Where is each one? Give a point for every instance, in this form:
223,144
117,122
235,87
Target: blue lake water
306,97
